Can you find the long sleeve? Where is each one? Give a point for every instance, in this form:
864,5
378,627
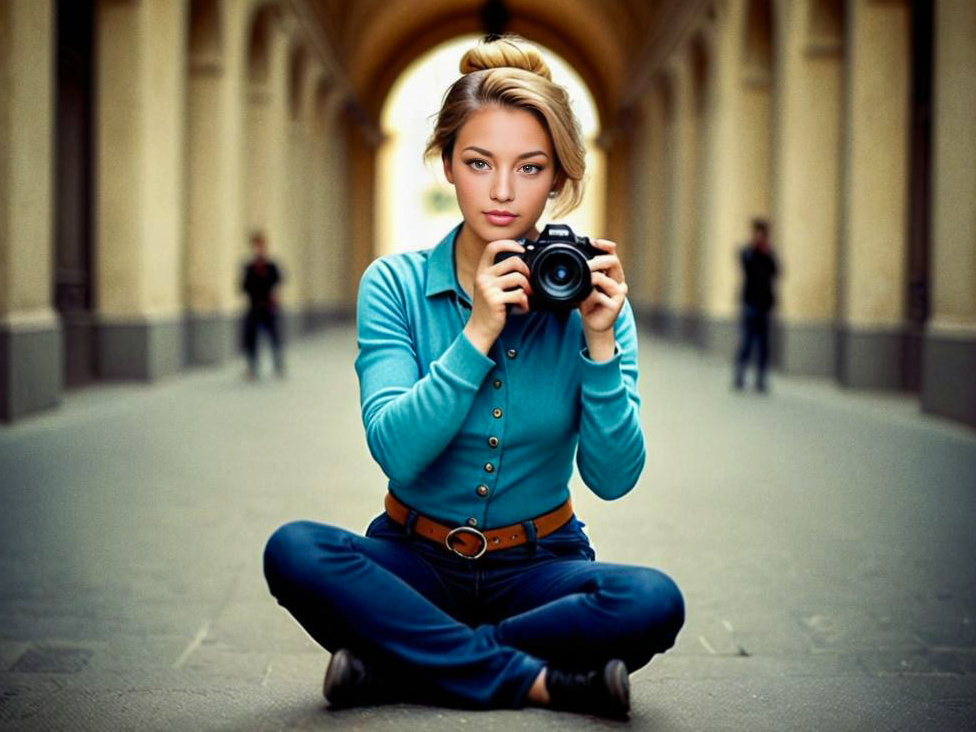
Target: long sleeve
409,418
610,455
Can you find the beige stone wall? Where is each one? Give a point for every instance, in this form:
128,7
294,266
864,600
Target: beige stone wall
141,192
875,197
681,260
740,166
639,261
26,135
953,261
337,274
216,236
807,167
268,161
658,198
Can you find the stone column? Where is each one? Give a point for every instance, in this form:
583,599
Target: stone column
296,211
949,361
701,75
30,334
681,268
317,201
617,147
659,185
740,162
303,174
267,184
140,187
807,164
874,233
361,166
330,243
667,319
639,260
339,281
216,232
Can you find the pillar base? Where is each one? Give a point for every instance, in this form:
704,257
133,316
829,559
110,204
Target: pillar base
720,336
686,327
949,377
653,319
143,350
30,368
79,330
806,349
871,359
320,318
212,338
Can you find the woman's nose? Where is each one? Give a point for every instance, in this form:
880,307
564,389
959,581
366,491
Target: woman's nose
501,188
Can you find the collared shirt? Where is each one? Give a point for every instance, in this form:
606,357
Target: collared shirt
488,441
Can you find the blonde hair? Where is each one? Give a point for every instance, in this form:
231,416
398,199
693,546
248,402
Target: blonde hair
507,71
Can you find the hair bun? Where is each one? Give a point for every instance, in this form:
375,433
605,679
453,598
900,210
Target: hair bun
505,52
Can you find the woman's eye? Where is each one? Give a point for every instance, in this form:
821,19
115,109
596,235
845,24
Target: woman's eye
531,168
478,164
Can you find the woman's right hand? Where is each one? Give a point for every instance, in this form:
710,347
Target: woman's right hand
496,286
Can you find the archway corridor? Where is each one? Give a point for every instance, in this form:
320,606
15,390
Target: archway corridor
821,532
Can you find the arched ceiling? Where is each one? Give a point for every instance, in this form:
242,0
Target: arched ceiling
603,40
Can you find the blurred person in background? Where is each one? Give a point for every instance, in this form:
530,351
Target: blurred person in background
759,270
261,280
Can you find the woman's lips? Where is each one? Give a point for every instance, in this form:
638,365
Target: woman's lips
500,218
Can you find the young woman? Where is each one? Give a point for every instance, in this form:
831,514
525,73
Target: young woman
477,586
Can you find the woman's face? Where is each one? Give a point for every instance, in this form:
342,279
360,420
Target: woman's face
502,169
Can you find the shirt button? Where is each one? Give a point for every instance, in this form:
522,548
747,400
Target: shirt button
472,522
492,442
511,353
489,468
496,413
497,383
482,490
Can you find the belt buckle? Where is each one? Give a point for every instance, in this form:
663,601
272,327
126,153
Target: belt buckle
453,532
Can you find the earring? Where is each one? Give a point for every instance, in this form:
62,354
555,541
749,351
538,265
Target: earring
552,194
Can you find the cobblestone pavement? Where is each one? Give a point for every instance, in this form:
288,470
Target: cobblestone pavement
824,541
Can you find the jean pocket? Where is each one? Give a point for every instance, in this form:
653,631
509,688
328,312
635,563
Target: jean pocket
383,527
569,540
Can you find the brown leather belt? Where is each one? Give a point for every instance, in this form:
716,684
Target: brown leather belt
467,541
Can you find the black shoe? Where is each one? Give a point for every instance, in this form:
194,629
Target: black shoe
605,692
351,683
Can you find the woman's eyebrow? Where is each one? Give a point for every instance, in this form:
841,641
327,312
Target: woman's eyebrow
489,154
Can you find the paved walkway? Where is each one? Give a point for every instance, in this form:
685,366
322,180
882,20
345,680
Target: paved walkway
824,541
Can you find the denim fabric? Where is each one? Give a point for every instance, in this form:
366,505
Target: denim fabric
754,331
471,633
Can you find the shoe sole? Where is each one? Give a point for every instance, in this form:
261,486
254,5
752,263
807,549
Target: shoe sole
337,669
618,683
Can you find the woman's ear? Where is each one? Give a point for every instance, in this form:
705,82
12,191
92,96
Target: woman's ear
448,171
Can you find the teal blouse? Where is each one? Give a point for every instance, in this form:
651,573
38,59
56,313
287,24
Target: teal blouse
488,441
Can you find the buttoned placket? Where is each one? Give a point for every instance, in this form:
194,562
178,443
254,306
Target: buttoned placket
488,469
505,353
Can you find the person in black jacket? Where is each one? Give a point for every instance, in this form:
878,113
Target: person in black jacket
759,268
261,279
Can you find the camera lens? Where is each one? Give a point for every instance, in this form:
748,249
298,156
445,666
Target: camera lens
561,275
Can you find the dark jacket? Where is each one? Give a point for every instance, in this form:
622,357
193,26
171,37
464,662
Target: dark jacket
760,271
259,283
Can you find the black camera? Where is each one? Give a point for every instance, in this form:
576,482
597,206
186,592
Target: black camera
558,269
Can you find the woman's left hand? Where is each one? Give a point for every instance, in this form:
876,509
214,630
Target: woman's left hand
599,311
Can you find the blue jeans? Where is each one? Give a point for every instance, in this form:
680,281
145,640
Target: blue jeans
470,633
754,331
